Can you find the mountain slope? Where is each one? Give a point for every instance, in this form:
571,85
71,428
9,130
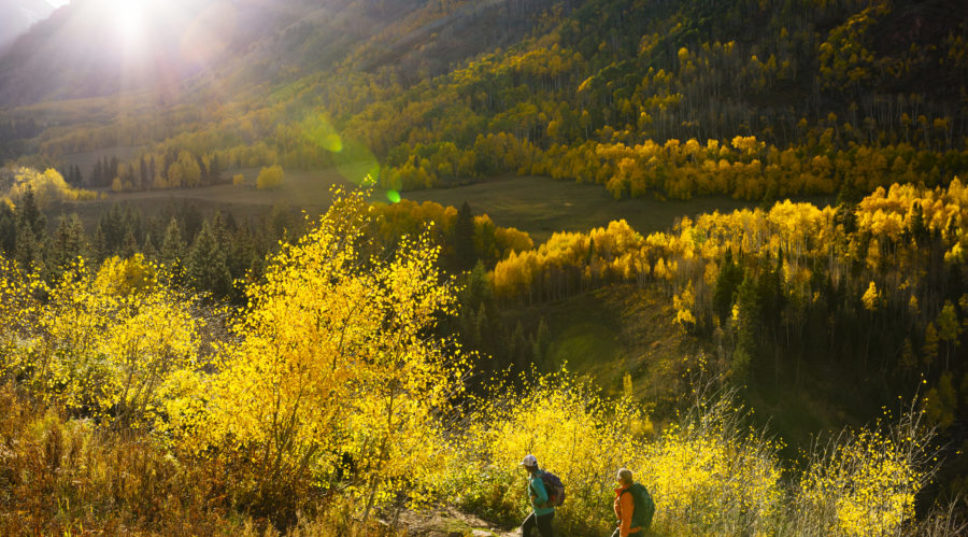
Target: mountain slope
17,16
648,97
82,52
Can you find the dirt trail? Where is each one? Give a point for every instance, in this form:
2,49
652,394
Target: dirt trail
450,523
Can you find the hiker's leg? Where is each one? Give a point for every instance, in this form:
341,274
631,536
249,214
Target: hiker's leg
544,525
528,525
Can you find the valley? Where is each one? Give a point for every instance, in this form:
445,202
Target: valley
723,245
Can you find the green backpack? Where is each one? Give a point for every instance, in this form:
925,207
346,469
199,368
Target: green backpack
644,506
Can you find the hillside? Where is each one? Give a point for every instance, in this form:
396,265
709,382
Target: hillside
187,351
17,16
656,99
331,404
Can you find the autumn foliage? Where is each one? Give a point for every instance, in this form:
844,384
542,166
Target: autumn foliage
330,400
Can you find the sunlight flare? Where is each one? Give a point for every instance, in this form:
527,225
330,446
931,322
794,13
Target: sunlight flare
129,22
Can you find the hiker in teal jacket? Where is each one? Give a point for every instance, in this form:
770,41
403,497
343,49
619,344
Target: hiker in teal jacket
542,512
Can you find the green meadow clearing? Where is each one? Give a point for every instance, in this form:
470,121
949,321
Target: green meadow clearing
538,205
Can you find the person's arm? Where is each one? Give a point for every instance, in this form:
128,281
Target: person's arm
628,508
540,494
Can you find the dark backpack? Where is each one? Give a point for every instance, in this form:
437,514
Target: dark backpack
644,506
554,487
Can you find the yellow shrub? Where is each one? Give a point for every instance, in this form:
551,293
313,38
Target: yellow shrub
270,177
711,478
568,426
332,370
100,348
865,485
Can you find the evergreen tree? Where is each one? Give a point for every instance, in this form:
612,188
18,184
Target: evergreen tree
748,329
172,251
727,283
464,238
190,219
241,256
149,249
143,171
134,223
519,349
8,230
29,250
29,215
214,171
99,247
97,175
113,166
110,232
68,243
206,268
129,246
539,345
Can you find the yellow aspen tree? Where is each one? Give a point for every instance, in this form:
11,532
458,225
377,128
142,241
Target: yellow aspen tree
333,362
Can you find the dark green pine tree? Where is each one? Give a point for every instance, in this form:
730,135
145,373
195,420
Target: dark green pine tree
539,346
68,243
519,349
144,179
727,283
97,174
480,319
214,171
241,256
110,233
172,252
206,268
29,251
148,248
28,214
748,329
129,246
8,230
31,229
464,238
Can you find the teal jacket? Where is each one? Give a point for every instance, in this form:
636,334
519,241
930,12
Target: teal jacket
538,495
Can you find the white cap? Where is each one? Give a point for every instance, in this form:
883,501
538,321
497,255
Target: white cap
530,461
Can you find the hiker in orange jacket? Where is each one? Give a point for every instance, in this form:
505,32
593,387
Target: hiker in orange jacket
630,522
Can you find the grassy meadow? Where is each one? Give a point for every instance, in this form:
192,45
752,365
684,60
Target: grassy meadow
537,205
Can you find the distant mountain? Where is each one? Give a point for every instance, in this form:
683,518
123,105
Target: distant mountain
440,89
80,53
17,16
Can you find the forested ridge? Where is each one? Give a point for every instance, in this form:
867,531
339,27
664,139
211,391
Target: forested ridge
663,99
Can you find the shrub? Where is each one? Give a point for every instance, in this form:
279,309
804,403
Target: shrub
270,177
103,346
711,475
333,381
573,432
865,483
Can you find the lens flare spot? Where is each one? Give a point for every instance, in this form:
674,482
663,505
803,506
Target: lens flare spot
332,142
319,131
355,162
393,196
